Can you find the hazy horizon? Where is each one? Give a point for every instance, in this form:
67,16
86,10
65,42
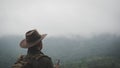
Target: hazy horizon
57,18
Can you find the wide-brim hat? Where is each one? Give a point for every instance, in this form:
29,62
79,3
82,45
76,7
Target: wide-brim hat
32,38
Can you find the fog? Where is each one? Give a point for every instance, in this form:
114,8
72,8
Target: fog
77,30
60,17
71,51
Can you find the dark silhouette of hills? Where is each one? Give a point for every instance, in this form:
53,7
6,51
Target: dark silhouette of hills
66,49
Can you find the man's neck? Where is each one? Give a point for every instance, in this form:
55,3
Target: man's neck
33,51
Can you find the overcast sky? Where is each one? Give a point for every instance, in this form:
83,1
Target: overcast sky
60,17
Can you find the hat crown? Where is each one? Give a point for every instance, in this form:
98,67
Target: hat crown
32,36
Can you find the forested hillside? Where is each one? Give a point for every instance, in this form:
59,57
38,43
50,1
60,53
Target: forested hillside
74,52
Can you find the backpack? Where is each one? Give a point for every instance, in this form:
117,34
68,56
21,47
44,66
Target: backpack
24,61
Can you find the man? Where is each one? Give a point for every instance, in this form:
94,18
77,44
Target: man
34,58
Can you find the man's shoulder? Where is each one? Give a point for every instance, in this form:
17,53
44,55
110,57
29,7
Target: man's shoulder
45,62
42,61
43,57
38,57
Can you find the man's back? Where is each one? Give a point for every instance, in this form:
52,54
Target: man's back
34,61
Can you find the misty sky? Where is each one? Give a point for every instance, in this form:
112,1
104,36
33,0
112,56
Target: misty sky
60,17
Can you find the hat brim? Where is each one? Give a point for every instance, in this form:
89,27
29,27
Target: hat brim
25,44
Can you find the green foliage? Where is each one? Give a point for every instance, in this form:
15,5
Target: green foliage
72,52
94,62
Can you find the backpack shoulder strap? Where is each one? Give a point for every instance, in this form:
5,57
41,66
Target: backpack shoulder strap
20,58
20,63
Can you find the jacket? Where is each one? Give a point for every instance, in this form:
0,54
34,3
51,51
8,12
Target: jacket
34,60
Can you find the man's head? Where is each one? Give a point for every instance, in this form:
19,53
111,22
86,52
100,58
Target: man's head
38,46
33,39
